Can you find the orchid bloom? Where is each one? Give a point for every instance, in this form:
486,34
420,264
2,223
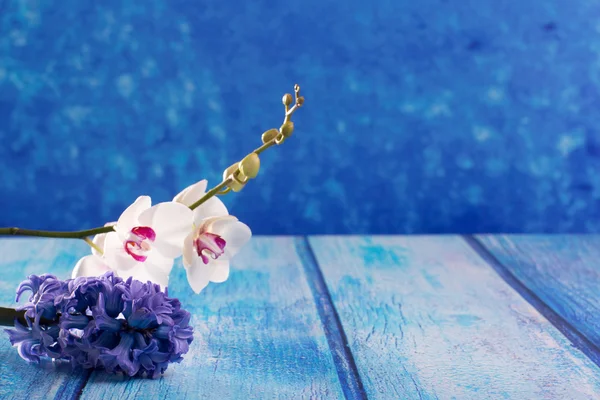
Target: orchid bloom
214,239
90,266
145,242
93,265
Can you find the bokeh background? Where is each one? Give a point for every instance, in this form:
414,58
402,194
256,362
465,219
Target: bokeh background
421,116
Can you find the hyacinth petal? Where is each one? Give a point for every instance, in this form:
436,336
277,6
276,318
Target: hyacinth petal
159,357
172,222
90,266
180,338
129,218
115,255
192,193
221,272
69,321
29,350
19,334
32,284
199,274
120,356
235,233
101,319
106,340
146,361
212,207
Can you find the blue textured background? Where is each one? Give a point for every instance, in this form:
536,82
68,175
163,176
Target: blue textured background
429,116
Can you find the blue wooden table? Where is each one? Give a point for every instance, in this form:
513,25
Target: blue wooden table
382,317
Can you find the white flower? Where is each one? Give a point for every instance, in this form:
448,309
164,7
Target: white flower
215,238
92,265
144,244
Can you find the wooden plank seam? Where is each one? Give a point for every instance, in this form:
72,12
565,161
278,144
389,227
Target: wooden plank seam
343,359
72,392
579,340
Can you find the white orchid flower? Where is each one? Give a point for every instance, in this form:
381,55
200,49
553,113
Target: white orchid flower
99,241
93,265
214,239
145,242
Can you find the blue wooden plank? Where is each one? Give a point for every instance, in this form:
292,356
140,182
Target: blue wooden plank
336,337
527,289
426,317
258,335
563,272
19,258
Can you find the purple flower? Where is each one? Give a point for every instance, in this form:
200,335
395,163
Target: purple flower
121,326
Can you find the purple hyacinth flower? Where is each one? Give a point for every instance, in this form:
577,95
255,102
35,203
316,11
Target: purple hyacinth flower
122,326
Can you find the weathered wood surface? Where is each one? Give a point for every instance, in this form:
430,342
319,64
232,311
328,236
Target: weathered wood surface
20,257
334,317
563,272
257,336
426,317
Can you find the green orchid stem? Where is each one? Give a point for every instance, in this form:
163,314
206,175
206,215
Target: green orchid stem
265,146
93,245
105,229
210,193
222,188
54,234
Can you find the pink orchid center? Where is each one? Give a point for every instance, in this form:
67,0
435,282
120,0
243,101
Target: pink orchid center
209,244
138,242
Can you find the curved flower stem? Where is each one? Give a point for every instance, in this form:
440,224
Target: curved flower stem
222,188
93,245
210,193
55,234
217,189
277,140
9,315
265,146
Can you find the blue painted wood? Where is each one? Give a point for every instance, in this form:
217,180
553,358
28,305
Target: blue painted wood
338,342
19,258
563,271
426,317
531,289
258,335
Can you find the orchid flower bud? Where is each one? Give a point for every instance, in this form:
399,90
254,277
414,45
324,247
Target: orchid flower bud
269,135
287,99
287,129
238,182
250,165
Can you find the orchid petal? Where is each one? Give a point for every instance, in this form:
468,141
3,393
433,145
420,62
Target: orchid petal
129,218
192,193
235,233
172,223
199,274
90,266
99,239
189,252
155,269
221,272
143,274
115,255
158,263
212,207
